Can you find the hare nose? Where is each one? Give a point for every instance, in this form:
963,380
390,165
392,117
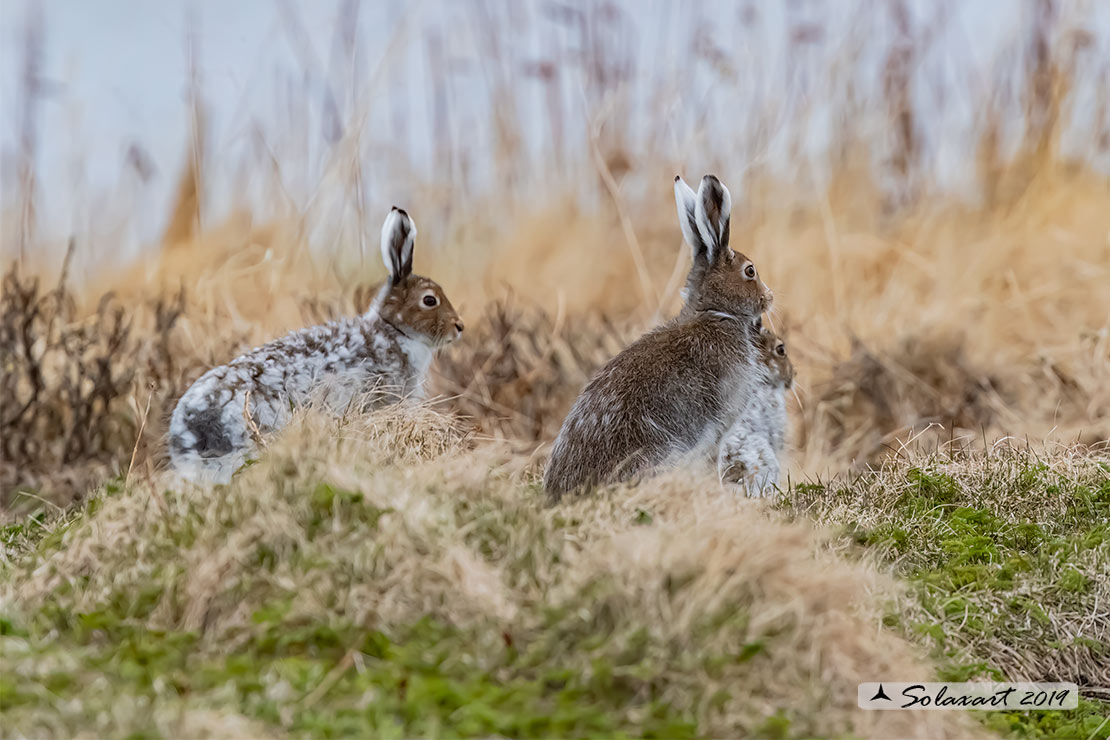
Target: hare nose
459,326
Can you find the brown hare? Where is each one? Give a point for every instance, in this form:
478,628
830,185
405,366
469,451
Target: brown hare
675,391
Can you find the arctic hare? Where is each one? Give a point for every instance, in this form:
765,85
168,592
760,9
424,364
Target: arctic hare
749,455
676,390
382,355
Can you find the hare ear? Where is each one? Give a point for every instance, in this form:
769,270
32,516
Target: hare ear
714,204
686,201
398,237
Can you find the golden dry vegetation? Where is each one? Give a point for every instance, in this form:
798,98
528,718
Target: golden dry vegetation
947,322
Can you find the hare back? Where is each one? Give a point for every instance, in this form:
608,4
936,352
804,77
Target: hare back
254,394
673,391
297,363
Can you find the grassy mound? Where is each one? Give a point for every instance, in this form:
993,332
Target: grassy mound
379,577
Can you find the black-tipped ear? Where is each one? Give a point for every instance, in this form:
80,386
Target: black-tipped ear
398,238
712,211
686,201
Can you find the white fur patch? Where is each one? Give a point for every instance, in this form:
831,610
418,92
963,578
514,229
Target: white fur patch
750,449
686,202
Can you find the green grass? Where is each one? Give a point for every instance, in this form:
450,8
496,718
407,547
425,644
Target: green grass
428,679
571,678
1007,560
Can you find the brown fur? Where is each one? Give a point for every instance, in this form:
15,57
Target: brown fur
780,369
722,287
403,307
679,387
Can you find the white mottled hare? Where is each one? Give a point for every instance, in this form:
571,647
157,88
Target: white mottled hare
381,356
676,390
749,454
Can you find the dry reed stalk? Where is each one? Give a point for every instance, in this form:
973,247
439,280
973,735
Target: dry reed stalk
186,217
329,680
647,287
139,434
30,92
248,418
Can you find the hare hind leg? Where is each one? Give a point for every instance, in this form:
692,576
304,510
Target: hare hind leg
765,479
737,456
748,461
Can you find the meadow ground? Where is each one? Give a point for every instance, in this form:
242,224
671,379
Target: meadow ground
946,508
388,577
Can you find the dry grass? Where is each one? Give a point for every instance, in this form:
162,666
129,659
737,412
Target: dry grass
519,369
71,381
968,324
641,594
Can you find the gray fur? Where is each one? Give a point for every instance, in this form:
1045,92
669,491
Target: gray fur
750,453
206,425
333,364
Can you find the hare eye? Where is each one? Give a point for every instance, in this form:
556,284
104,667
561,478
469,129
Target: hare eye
780,350
430,300
749,271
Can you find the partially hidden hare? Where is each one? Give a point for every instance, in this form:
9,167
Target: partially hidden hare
751,450
379,357
675,391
